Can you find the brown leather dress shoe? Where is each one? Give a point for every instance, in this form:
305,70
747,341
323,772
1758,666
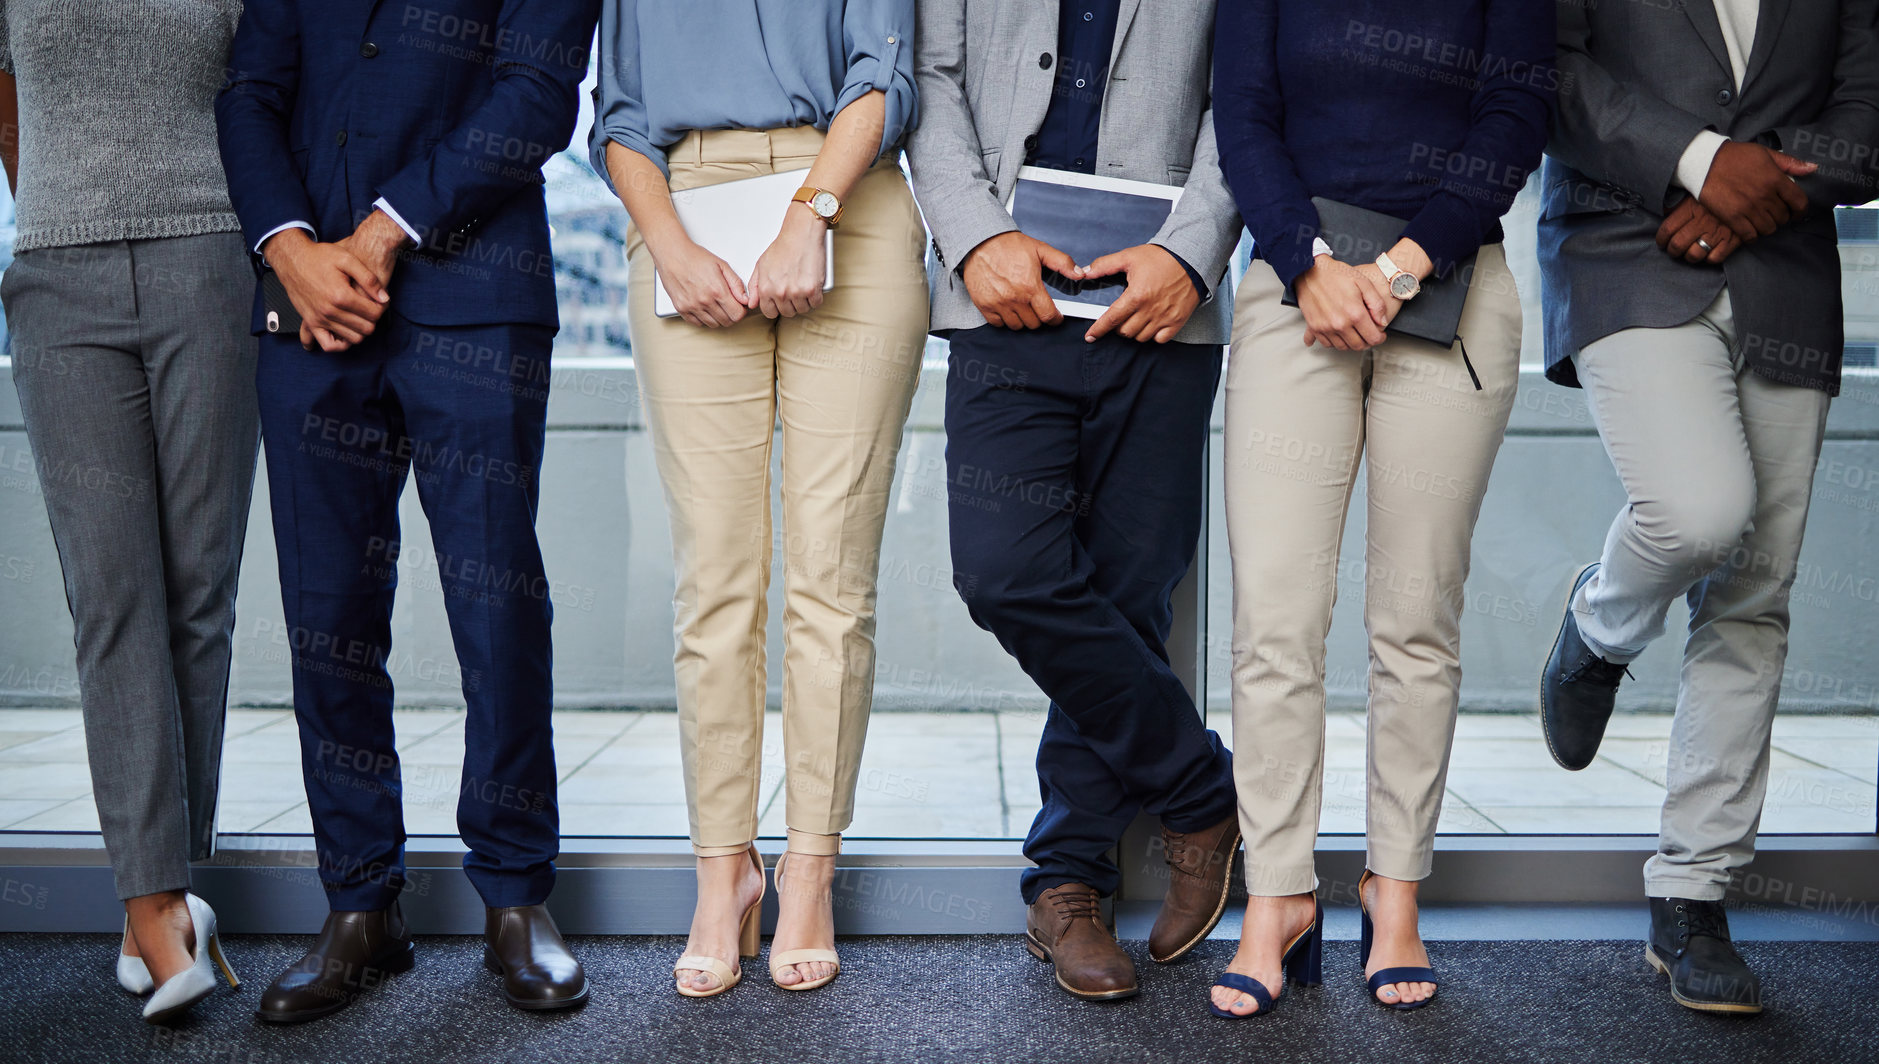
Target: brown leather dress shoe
1065,927
524,946
1200,868
354,954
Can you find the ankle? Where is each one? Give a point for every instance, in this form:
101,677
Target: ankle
732,868
1391,895
1283,906
158,919
806,875
168,903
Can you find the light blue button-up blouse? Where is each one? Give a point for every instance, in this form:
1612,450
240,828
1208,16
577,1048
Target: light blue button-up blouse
671,66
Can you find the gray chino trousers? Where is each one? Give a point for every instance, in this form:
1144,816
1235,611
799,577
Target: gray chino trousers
135,372
1718,465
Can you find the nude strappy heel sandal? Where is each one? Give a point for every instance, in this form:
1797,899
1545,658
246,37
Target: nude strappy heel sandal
788,957
749,944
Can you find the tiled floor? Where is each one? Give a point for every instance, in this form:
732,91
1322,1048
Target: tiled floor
956,775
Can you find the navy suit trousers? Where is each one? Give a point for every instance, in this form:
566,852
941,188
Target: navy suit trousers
464,410
1076,488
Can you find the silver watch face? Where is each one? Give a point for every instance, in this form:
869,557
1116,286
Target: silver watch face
825,204
1405,286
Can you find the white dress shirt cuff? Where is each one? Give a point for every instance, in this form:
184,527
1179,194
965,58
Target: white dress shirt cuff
396,217
1319,247
1693,167
279,229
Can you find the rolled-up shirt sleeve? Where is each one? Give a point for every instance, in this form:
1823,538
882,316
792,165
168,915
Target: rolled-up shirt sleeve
619,105
877,35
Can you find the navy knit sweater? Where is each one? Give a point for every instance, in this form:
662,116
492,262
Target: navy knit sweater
1433,111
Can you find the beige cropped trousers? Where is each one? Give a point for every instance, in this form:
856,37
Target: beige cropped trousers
841,380
1299,420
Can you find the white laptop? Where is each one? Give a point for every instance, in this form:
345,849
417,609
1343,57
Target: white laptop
737,221
1087,217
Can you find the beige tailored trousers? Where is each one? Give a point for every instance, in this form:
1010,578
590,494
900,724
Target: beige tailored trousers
1299,421
841,380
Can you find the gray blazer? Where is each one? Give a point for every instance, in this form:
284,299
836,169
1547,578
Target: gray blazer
983,95
1638,82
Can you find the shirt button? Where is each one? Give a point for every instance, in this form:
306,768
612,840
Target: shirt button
340,139
368,50
1044,60
1088,15
1725,97
1080,83
1078,161
891,40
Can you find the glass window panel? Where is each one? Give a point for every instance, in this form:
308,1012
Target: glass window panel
953,738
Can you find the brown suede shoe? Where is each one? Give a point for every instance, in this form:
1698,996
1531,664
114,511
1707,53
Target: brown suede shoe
1065,927
1200,867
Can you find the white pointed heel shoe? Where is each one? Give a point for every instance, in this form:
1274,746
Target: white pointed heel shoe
197,981
131,973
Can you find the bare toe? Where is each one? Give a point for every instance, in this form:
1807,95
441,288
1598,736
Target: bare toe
1234,1001
695,979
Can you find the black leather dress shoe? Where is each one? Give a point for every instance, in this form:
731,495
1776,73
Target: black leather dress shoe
1690,944
1577,690
523,946
354,954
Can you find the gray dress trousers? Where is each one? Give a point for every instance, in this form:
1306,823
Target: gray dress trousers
135,371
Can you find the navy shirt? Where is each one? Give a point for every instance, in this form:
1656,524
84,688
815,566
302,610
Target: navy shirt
1433,112
1086,35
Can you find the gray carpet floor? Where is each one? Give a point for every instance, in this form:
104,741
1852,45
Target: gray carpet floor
965,999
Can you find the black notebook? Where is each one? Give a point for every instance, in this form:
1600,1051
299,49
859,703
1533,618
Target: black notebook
1358,236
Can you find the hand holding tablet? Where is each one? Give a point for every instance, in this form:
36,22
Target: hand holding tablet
1088,218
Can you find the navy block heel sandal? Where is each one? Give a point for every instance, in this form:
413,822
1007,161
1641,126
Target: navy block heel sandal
1386,976
1302,962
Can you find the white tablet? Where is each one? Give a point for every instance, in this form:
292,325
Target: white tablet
1087,217
737,221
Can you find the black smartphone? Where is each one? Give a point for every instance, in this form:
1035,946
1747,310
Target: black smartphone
281,315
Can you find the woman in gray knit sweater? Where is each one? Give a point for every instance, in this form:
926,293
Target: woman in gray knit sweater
128,302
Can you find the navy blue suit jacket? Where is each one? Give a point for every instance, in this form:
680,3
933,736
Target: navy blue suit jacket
447,109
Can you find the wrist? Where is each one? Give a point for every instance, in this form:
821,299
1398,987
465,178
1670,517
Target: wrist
803,221
664,243
990,242
384,234
282,246
1411,259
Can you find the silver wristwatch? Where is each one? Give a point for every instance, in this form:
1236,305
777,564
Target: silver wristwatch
1403,284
